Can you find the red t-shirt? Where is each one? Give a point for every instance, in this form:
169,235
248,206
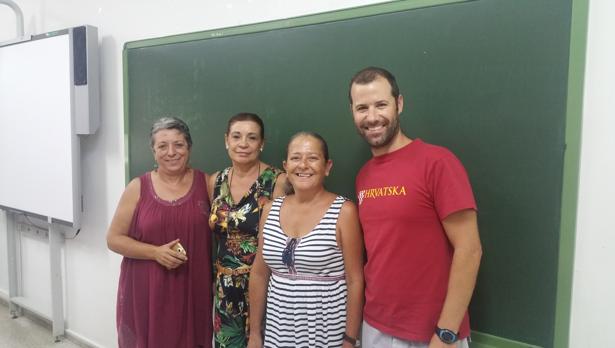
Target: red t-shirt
403,196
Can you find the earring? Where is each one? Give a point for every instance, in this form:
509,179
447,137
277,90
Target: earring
226,146
261,149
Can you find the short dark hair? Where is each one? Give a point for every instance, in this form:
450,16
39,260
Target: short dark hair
368,75
170,122
288,189
323,144
246,116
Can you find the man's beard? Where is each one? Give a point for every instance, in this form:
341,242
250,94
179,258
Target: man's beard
385,139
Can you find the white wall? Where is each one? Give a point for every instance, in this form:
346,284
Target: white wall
91,271
4,277
593,299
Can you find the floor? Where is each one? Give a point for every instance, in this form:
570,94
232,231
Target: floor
23,332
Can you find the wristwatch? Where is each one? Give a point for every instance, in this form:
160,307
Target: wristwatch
354,341
447,336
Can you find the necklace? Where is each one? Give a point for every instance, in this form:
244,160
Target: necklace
230,181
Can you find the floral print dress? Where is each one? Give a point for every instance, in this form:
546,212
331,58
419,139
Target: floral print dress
236,233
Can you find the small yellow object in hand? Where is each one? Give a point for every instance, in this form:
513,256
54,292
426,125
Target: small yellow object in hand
179,248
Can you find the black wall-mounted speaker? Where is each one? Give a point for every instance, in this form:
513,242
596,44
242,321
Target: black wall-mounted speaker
86,80
80,56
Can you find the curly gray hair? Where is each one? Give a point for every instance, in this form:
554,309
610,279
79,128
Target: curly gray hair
170,123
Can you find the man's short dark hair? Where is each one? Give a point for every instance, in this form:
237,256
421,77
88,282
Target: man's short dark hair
368,75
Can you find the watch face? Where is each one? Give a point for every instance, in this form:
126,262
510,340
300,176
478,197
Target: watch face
446,336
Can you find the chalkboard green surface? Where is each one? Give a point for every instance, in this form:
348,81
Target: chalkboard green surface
487,79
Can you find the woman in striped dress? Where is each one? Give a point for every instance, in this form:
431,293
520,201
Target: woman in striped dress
307,278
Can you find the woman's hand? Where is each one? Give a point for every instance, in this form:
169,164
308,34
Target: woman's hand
169,258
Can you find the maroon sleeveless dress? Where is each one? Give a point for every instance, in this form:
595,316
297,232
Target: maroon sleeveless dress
164,308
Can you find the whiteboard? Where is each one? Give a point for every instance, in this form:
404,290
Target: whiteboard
40,152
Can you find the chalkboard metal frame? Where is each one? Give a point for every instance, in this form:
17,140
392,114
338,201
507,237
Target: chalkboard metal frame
572,131
570,185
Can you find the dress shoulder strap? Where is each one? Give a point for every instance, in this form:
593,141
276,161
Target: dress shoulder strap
200,184
146,185
220,178
277,203
335,208
267,180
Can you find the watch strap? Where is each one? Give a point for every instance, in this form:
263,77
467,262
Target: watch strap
354,341
447,336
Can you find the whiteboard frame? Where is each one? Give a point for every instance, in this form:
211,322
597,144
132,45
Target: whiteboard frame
69,213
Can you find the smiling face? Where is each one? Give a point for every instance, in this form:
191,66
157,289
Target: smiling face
244,142
306,164
376,113
171,150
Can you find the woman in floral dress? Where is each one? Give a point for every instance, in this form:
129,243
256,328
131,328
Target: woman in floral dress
238,194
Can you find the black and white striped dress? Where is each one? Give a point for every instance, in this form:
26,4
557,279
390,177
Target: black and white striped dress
306,297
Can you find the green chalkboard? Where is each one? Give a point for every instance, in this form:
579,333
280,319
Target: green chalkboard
487,79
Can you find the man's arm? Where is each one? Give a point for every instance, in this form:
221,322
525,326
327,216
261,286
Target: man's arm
462,231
